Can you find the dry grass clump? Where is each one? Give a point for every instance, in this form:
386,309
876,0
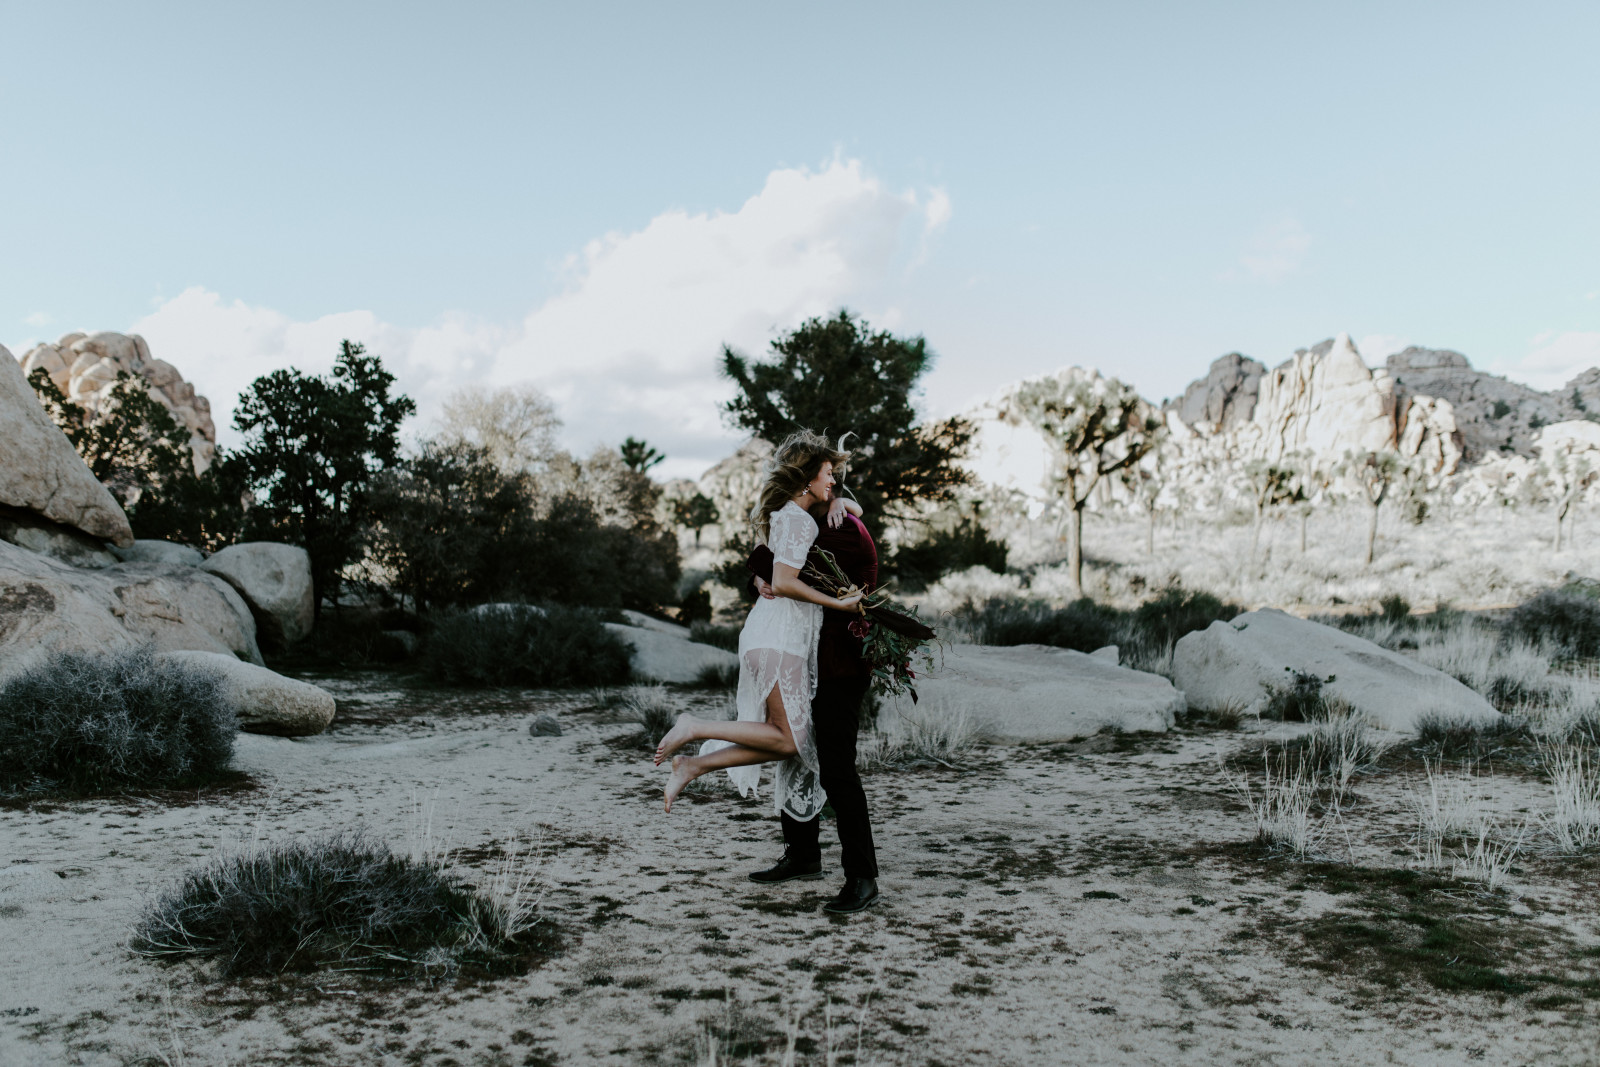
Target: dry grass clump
1573,823
82,723
653,708
723,637
1443,737
1339,746
1283,808
923,739
343,902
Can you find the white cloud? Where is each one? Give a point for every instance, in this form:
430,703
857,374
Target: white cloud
38,318
632,345
1276,251
1554,359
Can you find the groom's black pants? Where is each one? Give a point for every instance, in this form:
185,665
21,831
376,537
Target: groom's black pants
835,720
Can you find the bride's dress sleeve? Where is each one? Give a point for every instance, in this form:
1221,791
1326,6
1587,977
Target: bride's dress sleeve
791,535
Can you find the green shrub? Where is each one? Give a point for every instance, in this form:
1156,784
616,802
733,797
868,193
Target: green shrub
1569,620
1468,739
83,723
518,644
1395,608
695,607
342,902
1082,625
966,545
1176,611
726,637
1301,699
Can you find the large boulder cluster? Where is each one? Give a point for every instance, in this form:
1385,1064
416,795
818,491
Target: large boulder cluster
85,367
74,579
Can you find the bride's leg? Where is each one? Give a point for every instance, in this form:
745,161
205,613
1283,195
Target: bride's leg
772,737
686,769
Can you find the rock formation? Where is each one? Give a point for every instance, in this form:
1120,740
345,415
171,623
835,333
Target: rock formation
85,367
1036,693
1225,397
1237,664
275,581
47,606
265,701
41,475
1494,415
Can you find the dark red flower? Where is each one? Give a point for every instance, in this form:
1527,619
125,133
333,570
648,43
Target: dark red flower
860,628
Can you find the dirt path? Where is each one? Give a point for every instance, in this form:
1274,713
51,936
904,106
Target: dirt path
1088,903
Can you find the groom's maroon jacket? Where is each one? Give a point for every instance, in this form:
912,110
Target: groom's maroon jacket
838,652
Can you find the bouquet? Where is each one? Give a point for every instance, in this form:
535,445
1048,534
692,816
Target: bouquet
890,637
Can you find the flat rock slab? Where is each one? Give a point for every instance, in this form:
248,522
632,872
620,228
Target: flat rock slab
666,657
1237,663
265,701
1039,693
144,551
47,606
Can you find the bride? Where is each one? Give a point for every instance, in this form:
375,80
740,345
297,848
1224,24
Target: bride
777,648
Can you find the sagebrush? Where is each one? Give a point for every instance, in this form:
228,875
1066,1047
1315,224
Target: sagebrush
92,723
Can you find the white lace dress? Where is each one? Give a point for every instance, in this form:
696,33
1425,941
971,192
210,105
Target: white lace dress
778,647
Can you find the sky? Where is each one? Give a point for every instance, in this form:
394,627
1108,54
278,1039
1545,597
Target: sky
594,198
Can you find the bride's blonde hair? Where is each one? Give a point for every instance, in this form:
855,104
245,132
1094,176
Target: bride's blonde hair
793,465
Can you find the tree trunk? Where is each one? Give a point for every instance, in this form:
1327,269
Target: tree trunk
1150,535
1558,529
1303,517
1372,532
1074,532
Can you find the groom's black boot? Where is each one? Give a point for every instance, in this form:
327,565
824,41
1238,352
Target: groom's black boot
857,894
789,867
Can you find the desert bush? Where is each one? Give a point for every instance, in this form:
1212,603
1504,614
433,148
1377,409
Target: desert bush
525,645
653,708
1300,699
1176,611
342,901
714,677
1229,716
1082,625
1394,608
965,545
1568,620
1445,737
725,637
90,723
695,607
1338,746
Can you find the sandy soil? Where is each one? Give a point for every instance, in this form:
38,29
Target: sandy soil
1087,903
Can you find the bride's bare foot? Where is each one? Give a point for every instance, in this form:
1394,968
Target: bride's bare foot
681,734
682,775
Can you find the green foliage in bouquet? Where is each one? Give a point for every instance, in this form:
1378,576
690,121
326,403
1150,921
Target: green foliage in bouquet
890,636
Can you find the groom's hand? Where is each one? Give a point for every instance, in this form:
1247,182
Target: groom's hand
835,512
765,590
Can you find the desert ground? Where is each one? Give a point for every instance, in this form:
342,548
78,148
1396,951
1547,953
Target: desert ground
1099,901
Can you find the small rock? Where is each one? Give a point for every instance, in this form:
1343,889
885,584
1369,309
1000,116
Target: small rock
544,726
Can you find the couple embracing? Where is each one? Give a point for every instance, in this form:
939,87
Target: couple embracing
801,674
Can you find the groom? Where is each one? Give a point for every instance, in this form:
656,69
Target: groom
842,680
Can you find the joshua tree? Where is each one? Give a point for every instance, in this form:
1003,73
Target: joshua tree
1146,484
696,512
1564,474
1271,485
1375,473
515,426
1313,480
1095,426
638,456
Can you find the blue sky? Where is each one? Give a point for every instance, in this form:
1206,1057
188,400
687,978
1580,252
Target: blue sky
593,197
